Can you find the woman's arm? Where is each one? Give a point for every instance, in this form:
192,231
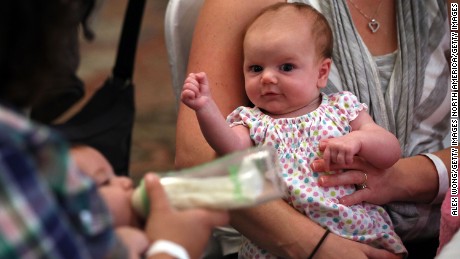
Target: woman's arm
217,50
285,232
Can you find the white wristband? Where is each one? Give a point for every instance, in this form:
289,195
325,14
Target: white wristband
443,177
167,247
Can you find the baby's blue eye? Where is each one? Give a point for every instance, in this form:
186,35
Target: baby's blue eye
287,67
256,68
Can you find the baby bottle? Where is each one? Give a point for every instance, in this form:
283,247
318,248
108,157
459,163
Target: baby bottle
241,179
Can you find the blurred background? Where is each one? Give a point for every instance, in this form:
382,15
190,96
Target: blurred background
153,144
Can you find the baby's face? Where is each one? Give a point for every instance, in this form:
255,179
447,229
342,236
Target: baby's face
116,192
281,65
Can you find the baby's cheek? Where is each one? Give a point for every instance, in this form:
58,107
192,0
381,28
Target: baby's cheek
125,211
119,205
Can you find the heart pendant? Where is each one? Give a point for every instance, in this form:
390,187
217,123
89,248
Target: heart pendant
374,25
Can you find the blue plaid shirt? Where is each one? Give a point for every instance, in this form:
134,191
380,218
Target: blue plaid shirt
48,209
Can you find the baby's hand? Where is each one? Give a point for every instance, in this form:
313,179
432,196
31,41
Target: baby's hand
195,92
339,150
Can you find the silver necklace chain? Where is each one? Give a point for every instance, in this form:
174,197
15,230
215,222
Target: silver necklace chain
373,24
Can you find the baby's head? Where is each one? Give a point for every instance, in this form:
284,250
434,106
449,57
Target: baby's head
288,46
295,21
116,191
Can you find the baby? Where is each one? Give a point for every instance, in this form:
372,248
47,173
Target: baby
115,190
287,59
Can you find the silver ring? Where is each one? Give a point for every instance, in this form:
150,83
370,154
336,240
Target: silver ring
364,184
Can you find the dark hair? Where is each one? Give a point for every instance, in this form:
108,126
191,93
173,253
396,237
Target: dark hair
321,29
33,36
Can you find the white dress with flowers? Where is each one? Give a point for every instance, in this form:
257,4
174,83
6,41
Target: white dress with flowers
296,141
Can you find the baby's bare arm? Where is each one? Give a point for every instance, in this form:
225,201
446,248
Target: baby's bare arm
223,139
368,140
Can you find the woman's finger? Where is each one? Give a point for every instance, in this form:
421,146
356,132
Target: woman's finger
157,195
341,158
357,164
326,159
357,197
345,178
323,144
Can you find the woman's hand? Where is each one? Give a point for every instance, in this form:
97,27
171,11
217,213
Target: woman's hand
359,172
409,179
189,228
134,239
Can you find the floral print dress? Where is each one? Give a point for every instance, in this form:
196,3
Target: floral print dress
297,143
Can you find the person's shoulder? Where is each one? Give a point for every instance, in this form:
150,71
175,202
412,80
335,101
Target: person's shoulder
346,102
13,126
348,95
18,131
245,110
342,96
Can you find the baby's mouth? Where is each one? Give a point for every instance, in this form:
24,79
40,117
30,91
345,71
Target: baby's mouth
270,93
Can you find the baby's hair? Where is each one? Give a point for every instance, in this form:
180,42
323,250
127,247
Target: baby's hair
321,30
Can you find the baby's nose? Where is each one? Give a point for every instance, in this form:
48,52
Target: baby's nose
123,181
268,77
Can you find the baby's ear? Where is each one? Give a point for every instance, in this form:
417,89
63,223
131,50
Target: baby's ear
323,72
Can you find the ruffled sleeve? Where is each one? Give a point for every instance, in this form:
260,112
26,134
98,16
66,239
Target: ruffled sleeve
246,116
238,117
347,105
252,118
